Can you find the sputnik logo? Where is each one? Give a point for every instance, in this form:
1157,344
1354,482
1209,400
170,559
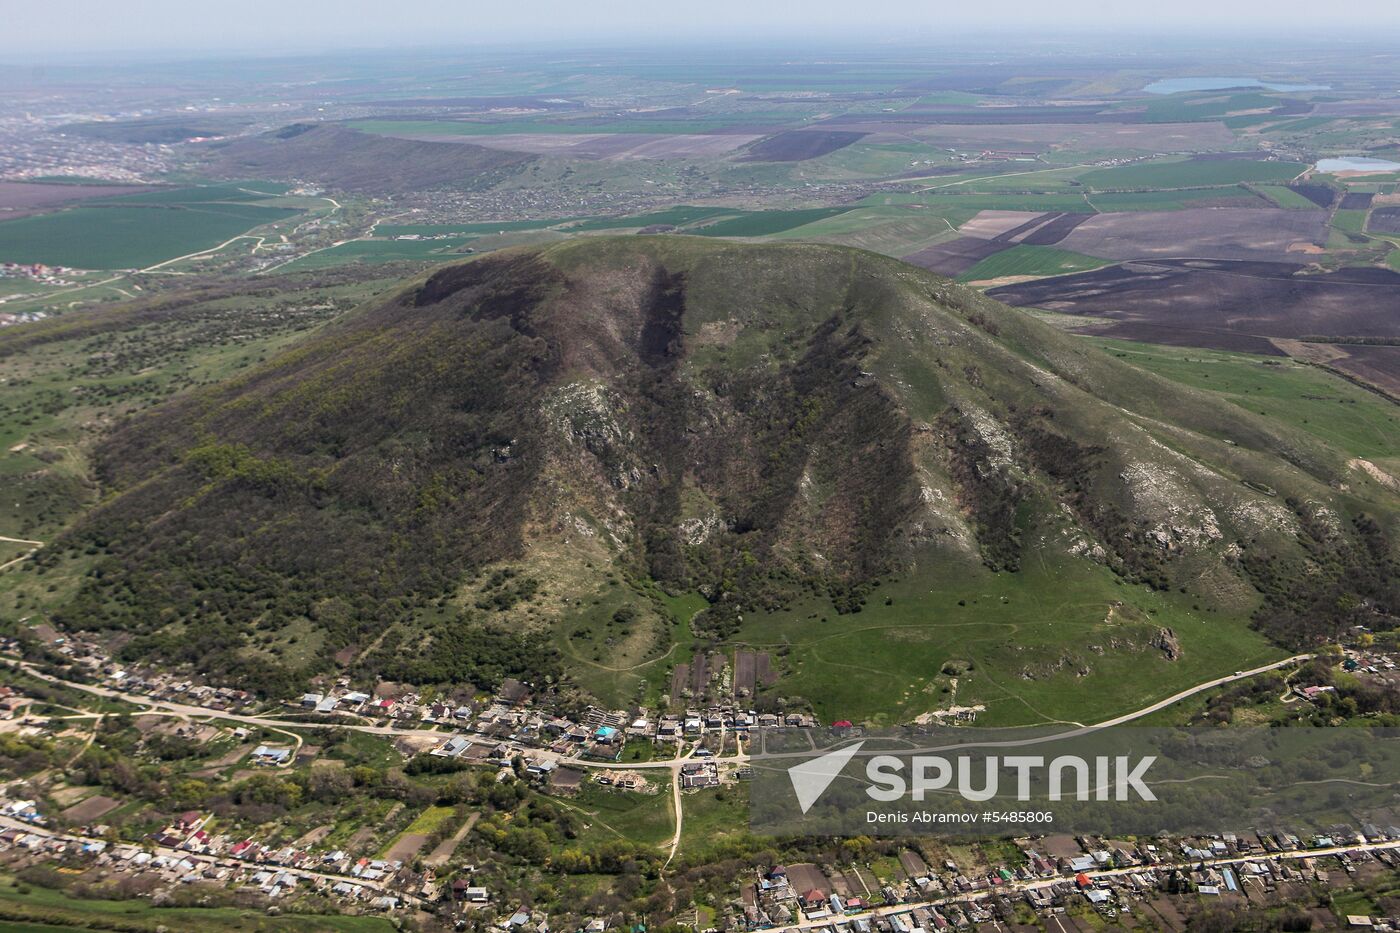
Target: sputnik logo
811,778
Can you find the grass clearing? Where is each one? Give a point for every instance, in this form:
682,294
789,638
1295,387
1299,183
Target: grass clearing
716,818
645,819
430,820
1025,644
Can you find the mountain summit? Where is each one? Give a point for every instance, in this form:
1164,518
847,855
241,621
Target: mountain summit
464,463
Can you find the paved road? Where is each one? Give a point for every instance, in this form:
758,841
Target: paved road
671,764
267,722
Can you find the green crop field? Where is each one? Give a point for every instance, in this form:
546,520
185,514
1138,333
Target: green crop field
1284,196
378,250
1350,221
199,194
476,228
1190,173
135,231
894,231
766,223
1031,260
1069,202
676,216
1175,200
1210,105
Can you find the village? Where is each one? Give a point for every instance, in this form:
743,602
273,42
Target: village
516,733
1155,882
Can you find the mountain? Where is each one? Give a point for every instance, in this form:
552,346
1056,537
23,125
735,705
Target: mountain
343,159
440,486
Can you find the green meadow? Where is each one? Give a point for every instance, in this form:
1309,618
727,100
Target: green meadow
1359,422
1044,645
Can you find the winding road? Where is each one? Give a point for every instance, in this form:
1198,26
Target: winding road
672,765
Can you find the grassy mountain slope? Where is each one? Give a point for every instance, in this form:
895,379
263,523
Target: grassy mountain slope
492,472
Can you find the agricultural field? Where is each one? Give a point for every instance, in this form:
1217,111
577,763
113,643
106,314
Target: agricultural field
1246,306
137,230
1285,197
1189,173
1030,261
955,257
894,231
800,145
672,217
1178,199
384,250
766,223
1244,233
22,198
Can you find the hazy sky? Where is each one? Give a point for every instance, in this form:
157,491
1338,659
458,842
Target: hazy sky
47,27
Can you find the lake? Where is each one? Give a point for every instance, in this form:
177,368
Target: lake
1357,164
1177,85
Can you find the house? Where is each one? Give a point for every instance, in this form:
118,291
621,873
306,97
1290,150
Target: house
463,890
189,820
452,748
311,700
271,755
